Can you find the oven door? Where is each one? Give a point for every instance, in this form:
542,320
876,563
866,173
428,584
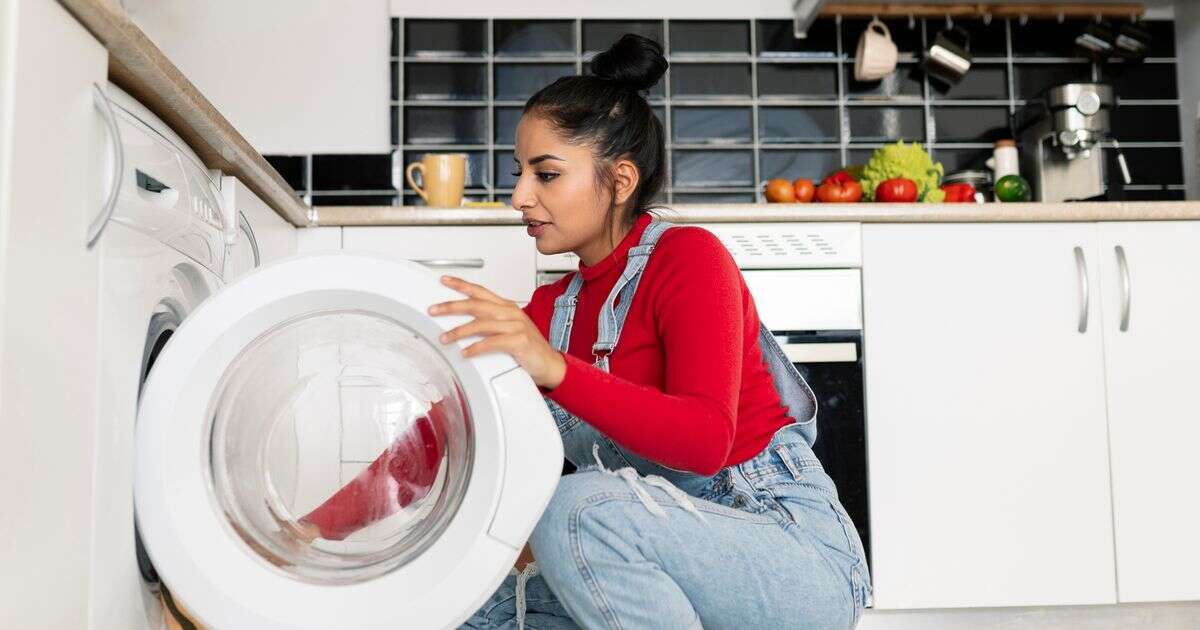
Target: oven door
831,362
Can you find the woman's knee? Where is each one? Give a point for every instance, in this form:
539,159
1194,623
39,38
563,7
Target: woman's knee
551,536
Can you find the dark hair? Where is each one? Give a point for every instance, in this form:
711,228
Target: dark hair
607,111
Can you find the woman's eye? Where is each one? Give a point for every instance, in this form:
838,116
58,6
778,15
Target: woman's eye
547,176
517,174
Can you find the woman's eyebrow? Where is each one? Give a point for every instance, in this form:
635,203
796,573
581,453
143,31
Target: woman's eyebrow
543,158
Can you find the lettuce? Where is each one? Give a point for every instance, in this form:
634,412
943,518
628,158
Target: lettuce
909,161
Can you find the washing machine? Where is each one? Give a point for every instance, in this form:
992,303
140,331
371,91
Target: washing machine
288,445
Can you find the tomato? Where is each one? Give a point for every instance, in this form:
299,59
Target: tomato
834,191
959,193
804,189
899,190
780,191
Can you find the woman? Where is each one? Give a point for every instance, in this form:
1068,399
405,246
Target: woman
698,501
662,376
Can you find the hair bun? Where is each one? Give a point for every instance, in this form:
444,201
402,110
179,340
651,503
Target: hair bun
633,61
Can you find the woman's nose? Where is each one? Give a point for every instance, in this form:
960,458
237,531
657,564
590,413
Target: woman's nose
522,196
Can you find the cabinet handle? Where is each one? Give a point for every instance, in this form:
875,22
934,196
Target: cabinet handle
1123,265
96,227
461,263
1081,269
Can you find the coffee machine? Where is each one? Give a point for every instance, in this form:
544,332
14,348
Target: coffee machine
1059,136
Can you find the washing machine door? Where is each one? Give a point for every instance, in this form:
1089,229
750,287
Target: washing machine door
311,397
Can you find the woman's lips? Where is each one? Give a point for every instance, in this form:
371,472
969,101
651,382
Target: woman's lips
535,228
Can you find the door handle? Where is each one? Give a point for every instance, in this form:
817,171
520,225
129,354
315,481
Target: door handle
452,263
96,227
1123,266
1081,269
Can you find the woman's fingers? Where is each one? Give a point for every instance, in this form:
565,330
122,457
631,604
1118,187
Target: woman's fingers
473,290
509,343
476,307
480,327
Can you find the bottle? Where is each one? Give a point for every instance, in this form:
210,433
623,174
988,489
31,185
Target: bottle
1004,160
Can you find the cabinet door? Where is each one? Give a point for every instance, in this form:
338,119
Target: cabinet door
500,257
52,148
1151,309
986,433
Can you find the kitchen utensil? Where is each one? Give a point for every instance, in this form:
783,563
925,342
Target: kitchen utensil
1096,41
1132,42
980,180
443,177
1004,160
949,58
876,55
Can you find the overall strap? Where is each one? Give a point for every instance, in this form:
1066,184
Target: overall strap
612,319
564,314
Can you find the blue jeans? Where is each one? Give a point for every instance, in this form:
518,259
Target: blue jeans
765,544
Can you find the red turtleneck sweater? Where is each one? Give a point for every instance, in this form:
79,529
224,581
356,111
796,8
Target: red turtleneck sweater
688,387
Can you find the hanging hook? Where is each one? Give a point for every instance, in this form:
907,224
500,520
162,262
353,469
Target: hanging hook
1099,18
1062,17
987,18
1023,19
912,21
949,22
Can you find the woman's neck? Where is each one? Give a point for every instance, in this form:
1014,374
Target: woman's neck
599,249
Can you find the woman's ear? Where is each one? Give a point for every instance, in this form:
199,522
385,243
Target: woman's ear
625,180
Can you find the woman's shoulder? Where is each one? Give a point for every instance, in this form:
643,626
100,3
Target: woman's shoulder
686,244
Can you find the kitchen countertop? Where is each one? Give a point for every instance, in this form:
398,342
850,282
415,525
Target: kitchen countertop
139,67
819,212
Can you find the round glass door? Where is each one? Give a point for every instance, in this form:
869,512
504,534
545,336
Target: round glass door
341,444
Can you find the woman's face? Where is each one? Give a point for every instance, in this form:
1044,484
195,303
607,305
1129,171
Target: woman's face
557,193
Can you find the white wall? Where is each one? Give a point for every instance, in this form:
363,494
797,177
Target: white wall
1187,36
293,76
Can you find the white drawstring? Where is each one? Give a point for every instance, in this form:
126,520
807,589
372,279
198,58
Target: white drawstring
631,478
681,498
531,570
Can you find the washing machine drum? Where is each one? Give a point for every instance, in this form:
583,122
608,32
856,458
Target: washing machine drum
310,456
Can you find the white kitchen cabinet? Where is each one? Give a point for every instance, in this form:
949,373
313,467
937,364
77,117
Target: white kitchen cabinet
1151,306
52,144
500,257
987,440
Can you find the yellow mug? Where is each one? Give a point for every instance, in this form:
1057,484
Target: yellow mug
443,177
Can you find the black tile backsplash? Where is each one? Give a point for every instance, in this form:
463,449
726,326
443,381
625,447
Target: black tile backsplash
712,124
710,36
1146,123
519,81
793,110
1157,165
354,200
600,34
798,124
803,80
710,80
528,37
905,83
1142,80
445,82
1031,79
880,124
292,168
445,38
352,172
970,124
775,39
985,81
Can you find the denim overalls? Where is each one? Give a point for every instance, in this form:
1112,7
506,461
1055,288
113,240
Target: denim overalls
783,486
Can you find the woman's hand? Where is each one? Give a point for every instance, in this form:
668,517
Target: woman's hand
504,328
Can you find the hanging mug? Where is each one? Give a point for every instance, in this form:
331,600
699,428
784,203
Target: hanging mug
949,58
443,177
876,55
